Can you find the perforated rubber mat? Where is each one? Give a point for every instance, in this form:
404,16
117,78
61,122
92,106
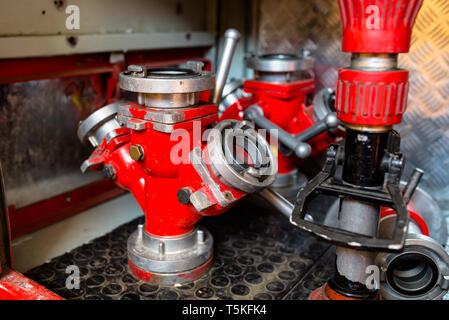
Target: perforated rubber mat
258,255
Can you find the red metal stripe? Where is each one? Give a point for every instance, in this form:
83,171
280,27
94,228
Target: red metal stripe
384,212
17,70
26,69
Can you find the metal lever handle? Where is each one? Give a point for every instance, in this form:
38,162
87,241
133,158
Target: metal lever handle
412,184
232,37
301,149
279,202
329,122
325,183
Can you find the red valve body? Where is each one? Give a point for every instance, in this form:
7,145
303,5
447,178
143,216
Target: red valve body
285,105
156,179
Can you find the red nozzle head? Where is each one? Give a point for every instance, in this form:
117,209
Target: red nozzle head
378,26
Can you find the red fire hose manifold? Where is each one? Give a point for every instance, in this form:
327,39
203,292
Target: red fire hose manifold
277,99
166,150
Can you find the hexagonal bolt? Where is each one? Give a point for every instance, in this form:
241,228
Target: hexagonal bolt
200,201
250,54
184,195
136,152
138,71
195,66
228,194
109,172
200,236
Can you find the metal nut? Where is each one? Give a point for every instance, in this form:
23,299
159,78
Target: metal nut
184,195
200,201
108,172
136,152
138,71
195,66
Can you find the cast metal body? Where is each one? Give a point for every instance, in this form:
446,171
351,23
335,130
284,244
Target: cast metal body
276,100
179,164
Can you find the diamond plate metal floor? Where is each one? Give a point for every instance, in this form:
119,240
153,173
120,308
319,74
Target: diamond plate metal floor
258,255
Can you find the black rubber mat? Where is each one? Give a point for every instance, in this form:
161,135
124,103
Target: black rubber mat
258,255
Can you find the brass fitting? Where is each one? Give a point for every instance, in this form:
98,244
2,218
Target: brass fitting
136,152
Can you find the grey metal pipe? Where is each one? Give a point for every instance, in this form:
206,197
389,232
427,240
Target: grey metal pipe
232,37
301,149
279,202
412,184
363,218
329,122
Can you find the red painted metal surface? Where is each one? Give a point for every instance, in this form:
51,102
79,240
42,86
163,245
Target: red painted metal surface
371,97
285,105
280,101
383,26
326,293
15,286
378,26
44,213
164,170
17,70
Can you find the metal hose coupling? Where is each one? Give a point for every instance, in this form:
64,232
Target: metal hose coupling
421,269
100,125
280,67
419,272
237,156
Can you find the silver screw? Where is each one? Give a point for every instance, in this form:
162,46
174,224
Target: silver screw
138,71
195,66
200,236
139,240
161,248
